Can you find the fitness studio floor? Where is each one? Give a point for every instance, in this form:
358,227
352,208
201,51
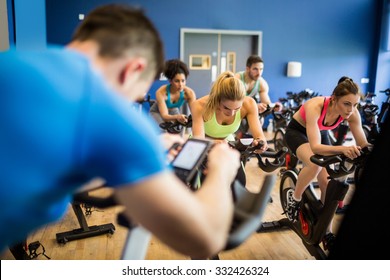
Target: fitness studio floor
277,245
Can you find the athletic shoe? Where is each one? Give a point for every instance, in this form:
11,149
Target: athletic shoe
292,207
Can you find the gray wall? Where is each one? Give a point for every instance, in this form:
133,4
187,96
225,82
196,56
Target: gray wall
4,38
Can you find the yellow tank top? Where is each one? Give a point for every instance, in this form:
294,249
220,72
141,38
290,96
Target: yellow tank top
214,130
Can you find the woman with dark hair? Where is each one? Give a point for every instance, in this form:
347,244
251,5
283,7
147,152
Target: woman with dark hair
307,134
171,98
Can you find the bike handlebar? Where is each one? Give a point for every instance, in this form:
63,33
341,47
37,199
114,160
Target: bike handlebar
269,166
342,165
267,111
175,127
270,109
248,151
386,91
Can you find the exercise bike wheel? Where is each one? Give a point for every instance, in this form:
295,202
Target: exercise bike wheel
279,142
288,182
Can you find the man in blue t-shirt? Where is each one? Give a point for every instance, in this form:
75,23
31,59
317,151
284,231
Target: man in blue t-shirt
63,123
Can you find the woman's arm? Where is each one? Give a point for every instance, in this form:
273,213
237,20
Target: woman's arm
313,109
197,118
355,125
252,115
162,106
190,97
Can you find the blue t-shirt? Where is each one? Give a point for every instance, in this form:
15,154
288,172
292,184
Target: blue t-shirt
60,127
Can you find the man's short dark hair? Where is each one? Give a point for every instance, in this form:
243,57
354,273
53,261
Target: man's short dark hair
123,30
253,59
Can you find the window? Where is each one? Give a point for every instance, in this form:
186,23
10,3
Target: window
200,61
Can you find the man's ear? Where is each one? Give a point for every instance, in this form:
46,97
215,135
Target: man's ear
132,70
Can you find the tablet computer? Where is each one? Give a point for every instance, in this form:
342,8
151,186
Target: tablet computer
190,157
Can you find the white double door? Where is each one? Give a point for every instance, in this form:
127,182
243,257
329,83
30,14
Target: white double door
209,52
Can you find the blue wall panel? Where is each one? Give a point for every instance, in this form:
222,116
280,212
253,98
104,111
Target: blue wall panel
331,38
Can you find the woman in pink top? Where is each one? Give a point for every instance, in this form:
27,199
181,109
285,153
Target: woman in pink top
307,134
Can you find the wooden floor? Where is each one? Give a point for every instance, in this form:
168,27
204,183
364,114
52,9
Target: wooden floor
278,245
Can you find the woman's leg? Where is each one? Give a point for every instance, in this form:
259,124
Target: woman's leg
308,173
155,114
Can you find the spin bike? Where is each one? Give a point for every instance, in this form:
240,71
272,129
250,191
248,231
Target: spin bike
249,208
315,216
